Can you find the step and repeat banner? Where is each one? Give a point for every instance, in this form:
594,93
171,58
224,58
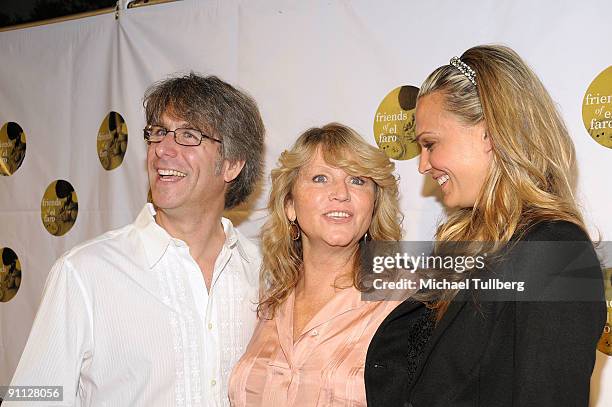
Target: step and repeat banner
72,156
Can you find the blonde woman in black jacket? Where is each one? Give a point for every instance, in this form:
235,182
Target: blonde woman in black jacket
493,140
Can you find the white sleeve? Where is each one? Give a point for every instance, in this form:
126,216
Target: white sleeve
60,340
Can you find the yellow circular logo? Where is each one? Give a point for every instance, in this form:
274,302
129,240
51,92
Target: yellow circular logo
59,207
112,141
10,274
12,148
605,342
597,108
394,129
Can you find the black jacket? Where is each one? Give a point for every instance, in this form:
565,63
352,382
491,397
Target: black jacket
499,353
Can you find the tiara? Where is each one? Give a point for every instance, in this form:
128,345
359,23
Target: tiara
464,68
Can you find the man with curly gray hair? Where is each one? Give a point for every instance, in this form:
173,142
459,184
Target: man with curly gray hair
158,312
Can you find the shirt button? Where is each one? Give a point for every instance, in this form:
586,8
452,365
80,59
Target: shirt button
213,382
210,325
314,332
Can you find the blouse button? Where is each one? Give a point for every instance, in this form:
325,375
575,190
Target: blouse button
314,332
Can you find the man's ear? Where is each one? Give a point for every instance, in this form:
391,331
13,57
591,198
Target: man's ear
231,169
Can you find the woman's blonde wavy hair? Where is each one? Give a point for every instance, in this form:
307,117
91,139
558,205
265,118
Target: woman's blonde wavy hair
533,170
341,147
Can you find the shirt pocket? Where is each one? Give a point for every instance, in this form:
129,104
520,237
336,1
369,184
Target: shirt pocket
278,367
278,377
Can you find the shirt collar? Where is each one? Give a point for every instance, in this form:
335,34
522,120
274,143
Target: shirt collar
156,240
233,239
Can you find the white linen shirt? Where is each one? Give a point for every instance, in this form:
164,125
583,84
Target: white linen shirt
126,320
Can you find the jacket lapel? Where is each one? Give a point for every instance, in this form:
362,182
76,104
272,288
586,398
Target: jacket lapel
451,313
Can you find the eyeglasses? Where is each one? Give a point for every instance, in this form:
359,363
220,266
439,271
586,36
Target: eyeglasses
184,137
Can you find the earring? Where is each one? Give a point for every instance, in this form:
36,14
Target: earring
366,237
294,230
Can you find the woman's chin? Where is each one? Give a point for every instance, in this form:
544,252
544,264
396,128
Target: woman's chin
341,242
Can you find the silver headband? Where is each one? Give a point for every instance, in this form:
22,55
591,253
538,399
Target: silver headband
464,68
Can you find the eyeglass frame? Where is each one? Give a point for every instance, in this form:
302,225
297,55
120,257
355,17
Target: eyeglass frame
202,135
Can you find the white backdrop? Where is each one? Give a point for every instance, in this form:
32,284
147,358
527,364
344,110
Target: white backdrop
305,62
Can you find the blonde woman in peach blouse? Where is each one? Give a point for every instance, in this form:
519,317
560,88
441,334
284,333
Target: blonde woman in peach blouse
331,190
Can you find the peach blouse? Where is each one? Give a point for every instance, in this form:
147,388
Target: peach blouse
324,367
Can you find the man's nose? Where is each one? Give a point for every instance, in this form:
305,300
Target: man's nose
167,146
